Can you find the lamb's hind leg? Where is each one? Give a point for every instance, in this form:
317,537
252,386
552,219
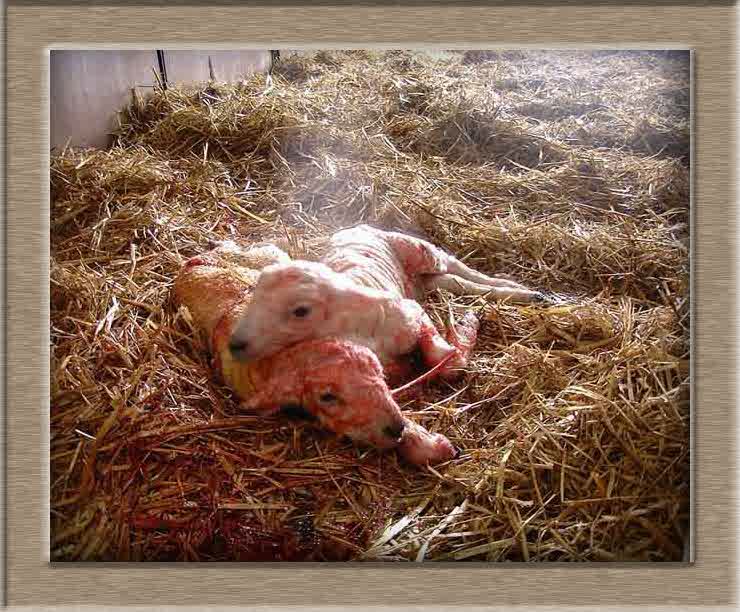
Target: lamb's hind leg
461,286
458,268
436,268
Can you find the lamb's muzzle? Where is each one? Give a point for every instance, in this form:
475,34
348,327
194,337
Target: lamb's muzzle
238,349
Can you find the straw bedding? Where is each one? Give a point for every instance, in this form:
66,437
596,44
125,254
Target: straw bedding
568,171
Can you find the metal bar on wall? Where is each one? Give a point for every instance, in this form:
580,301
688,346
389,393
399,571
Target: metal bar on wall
162,68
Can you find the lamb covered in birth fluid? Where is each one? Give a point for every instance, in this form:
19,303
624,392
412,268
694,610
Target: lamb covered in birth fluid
338,383
366,289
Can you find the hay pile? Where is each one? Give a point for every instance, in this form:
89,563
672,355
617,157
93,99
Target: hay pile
568,171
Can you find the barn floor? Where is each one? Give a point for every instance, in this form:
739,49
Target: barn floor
566,170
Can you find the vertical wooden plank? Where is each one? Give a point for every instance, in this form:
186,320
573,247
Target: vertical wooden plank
186,66
230,66
88,87
191,66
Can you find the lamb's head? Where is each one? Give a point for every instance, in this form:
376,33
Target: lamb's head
346,392
336,383
291,302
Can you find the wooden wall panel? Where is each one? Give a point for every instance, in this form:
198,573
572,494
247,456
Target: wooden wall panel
228,66
87,87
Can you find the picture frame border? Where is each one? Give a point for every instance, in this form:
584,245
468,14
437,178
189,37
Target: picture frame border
32,28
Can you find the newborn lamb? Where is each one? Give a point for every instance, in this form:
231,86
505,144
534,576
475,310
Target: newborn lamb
336,382
365,289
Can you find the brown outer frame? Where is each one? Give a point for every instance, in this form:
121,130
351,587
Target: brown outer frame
31,580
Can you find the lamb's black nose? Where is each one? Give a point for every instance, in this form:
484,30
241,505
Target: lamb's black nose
238,347
394,432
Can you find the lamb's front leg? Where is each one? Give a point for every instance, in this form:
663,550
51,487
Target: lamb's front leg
419,446
433,347
461,339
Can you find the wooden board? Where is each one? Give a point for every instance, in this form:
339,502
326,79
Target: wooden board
228,66
88,87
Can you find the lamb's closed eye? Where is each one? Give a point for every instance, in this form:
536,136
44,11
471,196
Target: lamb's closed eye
301,312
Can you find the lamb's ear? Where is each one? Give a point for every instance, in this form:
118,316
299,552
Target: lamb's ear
296,412
282,389
279,274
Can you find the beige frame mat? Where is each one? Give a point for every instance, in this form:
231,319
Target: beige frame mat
32,29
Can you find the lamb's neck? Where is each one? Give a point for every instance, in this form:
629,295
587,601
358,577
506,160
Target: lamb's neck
364,314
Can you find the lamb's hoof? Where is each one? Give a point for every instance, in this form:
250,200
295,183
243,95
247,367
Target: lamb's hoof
464,332
222,245
469,321
546,299
457,452
556,299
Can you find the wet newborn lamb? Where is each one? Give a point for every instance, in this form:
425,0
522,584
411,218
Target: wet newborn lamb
365,289
338,383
